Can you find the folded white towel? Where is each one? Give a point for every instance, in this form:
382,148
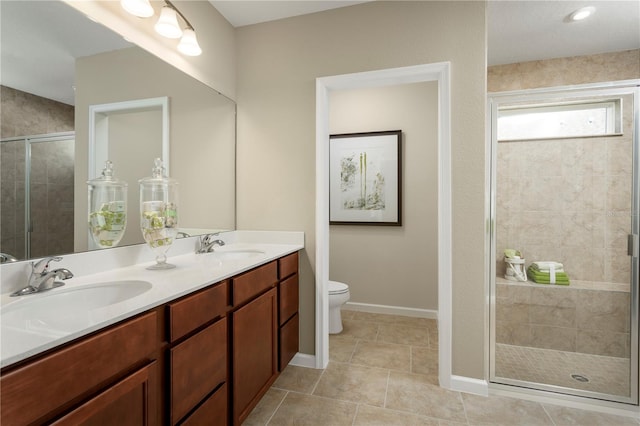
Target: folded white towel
548,266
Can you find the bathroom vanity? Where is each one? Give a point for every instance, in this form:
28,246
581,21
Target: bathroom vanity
205,356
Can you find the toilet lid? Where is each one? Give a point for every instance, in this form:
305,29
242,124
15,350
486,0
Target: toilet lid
337,288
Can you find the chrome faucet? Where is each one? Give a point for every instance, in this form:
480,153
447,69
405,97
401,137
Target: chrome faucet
208,242
42,279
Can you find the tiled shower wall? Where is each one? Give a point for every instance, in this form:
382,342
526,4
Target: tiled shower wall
24,114
570,319
568,200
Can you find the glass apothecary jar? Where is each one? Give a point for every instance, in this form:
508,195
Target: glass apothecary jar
159,213
107,208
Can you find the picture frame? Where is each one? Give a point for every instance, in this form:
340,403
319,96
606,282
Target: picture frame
365,178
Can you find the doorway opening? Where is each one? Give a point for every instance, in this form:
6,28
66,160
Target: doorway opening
439,72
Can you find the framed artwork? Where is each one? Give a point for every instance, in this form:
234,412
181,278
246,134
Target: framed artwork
364,178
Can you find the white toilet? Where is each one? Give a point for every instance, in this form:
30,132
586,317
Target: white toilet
338,296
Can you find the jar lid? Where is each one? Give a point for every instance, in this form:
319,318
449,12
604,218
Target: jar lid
107,178
158,175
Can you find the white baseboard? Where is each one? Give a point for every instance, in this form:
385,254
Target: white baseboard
303,360
469,385
393,310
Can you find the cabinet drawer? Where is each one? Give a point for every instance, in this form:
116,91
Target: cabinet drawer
132,401
213,412
47,385
254,282
288,298
195,310
288,265
198,366
289,339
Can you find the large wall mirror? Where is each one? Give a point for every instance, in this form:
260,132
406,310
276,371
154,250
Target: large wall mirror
45,129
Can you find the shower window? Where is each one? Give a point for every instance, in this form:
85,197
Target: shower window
567,120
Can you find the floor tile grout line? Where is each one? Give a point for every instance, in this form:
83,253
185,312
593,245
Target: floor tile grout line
548,415
277,408
355,415
410,359
318,381
353,351
464,407
386,389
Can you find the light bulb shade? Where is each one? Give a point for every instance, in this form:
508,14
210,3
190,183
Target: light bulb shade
189,44
582,13
140,8
167,24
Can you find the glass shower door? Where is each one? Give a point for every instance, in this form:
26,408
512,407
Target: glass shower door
565,190
50,172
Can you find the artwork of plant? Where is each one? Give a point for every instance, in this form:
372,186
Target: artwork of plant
362,184
364,178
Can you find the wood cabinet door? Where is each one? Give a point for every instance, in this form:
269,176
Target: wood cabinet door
51,384
254,352
288,298
213,412
198,366
289,341
130,402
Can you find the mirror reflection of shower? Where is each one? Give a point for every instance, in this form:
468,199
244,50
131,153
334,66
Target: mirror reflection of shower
37,189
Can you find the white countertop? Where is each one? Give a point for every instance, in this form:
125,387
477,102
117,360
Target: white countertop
192,272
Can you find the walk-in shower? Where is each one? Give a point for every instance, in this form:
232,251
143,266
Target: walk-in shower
37,195
564,189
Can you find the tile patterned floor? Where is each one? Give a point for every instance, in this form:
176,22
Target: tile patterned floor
383,370
606,374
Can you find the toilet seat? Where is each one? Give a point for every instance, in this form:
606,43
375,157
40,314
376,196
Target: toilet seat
336,287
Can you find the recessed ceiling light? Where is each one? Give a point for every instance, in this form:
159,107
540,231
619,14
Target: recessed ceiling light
582,13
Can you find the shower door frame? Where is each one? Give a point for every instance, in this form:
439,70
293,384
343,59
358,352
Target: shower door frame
494,101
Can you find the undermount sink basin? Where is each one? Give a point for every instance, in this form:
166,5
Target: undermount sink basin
222,254
235,254
62,310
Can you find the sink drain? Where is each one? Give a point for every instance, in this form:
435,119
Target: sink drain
580,378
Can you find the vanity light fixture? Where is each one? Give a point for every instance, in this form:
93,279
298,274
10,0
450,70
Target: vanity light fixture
139,8
168,25
189,44
581,14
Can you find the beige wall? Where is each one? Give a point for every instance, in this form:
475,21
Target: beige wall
133,144
278,63
408,276
612,66
202,134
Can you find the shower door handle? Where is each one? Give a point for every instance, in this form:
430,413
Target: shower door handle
632,245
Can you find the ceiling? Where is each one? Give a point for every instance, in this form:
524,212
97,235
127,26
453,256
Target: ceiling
518,30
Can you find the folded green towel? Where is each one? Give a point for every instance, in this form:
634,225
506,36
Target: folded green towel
539,281
512,253
545,278
559,275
